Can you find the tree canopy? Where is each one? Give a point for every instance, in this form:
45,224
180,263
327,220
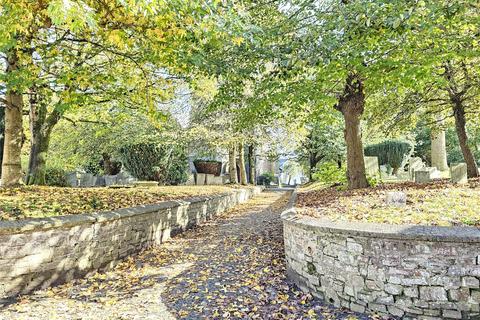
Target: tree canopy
120,70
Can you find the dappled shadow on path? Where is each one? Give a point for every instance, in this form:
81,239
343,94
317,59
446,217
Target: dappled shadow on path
230,267
239,270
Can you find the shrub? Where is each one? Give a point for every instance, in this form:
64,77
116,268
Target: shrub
56,177
329,173
390,152
94,167
373,181
265,179
164,163
102,165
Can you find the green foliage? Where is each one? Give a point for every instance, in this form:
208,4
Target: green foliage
55,177
164,163
324,142
93,166
391,152
265,179
373,181
423,144
330,174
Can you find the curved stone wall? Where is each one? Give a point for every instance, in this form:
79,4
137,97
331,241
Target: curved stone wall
419,272
37,253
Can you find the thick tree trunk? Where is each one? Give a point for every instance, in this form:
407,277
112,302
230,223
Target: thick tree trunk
41,126
241,164
232,162
37,162
11,162
439,150
351,105
251,164
2,135
460,125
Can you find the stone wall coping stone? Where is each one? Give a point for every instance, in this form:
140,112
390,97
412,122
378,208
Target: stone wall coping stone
380,230
68,221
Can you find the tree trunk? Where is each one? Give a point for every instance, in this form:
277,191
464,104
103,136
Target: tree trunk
241,164
460,125
107,163
41,126
232,162
251,164
351,105
312,163
439,150
2,135
11,162
37,162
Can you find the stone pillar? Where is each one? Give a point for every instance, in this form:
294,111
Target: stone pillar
439,151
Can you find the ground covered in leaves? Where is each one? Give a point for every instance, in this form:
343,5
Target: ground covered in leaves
230,268
437,203
37,201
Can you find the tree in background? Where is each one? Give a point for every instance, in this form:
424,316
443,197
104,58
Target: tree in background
2,135
68,49
117,135
337,55
446,75
322,143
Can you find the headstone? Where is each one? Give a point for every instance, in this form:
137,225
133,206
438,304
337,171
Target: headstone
396,198
209,178
110,180
415,164
217,180
403,175
191,180
122,178
225,179
72,179
100,182
200,179
458,173
371,166
87,180
146,184
423,175
434,172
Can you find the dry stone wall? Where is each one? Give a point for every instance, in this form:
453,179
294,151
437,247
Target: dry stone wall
38,253
410,272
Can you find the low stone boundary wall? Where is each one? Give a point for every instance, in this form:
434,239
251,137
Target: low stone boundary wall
37,253
419,272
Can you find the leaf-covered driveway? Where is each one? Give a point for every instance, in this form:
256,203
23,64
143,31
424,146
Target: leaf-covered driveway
229,268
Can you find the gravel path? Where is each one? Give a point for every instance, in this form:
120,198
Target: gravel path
229,268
